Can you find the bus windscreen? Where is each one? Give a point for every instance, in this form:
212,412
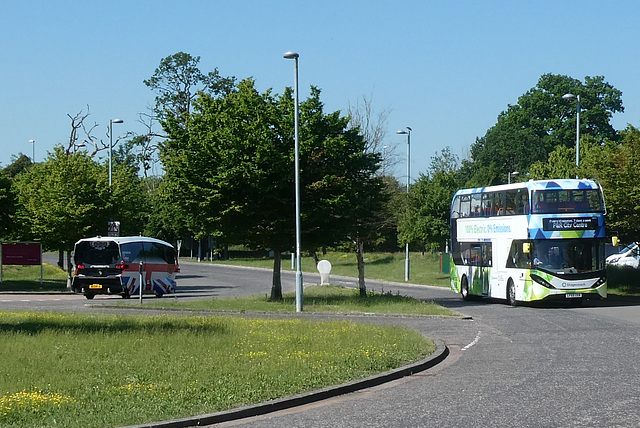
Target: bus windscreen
97,253
567,201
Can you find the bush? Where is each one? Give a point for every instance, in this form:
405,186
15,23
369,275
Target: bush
623,279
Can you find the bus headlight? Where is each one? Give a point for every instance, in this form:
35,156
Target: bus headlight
599,282
541,281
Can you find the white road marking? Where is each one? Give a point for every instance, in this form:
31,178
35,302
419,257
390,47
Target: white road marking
472,343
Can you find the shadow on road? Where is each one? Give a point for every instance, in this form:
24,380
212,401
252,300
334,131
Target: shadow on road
610,301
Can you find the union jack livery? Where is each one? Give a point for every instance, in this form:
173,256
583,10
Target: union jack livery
115,265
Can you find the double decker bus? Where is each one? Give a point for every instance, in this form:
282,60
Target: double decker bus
531,241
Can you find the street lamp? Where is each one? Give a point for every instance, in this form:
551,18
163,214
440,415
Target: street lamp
33,155
111,122
514,173
406,250
299,298
577,97
384,160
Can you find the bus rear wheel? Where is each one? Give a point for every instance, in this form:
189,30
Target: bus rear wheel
511,293
464,289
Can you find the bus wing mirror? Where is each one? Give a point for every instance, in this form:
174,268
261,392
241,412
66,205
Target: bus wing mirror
615,241
526,248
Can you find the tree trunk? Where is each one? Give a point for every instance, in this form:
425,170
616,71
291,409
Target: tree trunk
61,258
316,259
276,286
69,269
360,257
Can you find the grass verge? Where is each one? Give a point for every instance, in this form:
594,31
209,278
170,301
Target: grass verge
317,299
424,269
79,370
27,279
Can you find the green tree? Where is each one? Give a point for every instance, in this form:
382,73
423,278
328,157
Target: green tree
128,200
63,199
621,182
18,165
166,220
231,172
177,82
342,190
542,120
614,165
425,220
7,205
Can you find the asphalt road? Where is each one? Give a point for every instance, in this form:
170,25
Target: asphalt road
509,367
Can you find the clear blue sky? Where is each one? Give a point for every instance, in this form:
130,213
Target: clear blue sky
444,68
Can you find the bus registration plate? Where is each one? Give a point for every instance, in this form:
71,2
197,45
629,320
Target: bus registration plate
574,295
95,286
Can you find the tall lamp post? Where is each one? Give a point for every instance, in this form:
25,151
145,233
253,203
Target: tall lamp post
577,97
299,298
511,174
406,249
111,122
33,153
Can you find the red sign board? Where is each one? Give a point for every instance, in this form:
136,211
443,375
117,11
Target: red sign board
21,253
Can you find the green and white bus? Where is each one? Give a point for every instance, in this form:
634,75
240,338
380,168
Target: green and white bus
531,241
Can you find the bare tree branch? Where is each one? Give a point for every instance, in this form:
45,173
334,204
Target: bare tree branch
373,127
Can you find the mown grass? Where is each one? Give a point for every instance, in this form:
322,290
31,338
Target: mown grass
424,269
27,278
317,299
77,370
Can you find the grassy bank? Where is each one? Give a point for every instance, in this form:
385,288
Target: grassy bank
424,269
77,370
317,299
27,278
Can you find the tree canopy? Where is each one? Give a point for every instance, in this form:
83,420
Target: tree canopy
541,121
425,220
231,172
178,80
63,199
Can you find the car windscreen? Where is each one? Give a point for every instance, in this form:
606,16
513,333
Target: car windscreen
96,253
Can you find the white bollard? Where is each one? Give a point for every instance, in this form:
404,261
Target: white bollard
324,267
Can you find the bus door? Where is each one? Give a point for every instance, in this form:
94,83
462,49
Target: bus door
481,260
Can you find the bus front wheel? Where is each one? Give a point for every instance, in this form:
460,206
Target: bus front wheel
511,293
464,288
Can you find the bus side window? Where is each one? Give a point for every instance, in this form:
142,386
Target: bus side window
487,204
168,255
476,204
455,207
131,252
510,202
498,203
517,257
487,256
154,253
522,202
